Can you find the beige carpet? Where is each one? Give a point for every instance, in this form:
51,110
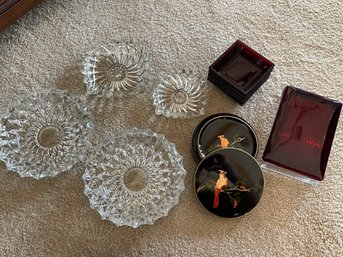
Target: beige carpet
52,217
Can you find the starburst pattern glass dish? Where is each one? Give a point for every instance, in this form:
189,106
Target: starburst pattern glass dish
182,95
134,178
116,70
45,133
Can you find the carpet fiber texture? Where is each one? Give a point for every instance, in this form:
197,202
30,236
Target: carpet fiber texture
52,217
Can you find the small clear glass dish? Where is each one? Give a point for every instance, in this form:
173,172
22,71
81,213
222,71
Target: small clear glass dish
182,95
135,178
116,70
45,133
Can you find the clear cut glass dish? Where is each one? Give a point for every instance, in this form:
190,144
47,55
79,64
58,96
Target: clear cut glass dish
180,95
45,133
134,178
115,70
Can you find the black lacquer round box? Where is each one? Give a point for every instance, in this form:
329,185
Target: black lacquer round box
228,182
223,130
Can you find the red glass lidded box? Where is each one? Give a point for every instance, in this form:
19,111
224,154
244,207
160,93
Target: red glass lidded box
301,137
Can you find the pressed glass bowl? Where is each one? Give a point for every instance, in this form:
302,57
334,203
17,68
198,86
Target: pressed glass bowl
134,178
116,70
182,95
45,133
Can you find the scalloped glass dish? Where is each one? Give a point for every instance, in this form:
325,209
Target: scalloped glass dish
45,133
182,95
116,70
135,178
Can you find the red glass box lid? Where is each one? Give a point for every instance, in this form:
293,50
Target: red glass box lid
302,134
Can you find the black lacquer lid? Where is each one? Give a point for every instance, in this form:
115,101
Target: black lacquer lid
228,182
220,131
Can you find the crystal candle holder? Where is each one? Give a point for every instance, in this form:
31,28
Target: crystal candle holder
180,95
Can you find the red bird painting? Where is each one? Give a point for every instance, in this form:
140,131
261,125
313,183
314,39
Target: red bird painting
217,182
221,184
224,142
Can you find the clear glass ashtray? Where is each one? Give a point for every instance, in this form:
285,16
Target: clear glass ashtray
45,133
180,95
135,178
116,70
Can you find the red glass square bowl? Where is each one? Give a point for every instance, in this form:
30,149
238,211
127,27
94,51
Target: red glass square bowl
240,70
